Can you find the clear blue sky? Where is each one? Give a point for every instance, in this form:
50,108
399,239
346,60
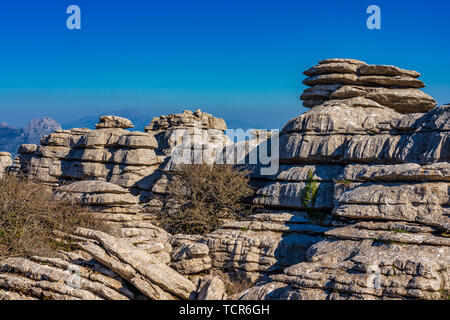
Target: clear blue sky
238,59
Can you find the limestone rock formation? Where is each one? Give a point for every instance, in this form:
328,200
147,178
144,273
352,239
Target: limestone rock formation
107,122
70,278
106,268
115,155
212,289
5,162
359,208
379,173
357,84
190,258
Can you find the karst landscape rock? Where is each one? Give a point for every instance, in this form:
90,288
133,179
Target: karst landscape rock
372,152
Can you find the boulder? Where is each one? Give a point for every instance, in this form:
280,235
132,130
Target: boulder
357,84
113,122
212,289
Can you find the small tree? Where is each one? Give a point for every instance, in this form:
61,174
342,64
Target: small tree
202,196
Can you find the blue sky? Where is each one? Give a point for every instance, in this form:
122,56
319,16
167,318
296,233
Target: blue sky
240,60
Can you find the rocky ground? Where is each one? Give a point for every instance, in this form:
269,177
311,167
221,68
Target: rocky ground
359,208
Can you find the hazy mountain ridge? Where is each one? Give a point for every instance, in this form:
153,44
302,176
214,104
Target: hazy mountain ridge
11,138
141,120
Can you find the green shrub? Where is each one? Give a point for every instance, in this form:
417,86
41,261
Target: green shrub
202,196
309,194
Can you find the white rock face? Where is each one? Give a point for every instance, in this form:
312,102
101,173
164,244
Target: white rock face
5,162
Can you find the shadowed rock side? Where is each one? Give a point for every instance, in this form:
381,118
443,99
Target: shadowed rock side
359,208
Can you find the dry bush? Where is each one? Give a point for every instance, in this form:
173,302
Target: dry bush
202,196
29,213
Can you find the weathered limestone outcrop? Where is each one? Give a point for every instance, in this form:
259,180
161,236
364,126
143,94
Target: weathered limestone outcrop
129,159
339,134
5,162
212,289
106,268
72,277
266,243
361,270
188,257
199,128
357,84
380,176
359,208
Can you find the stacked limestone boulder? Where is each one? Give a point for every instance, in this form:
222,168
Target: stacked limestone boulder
201,128
129,159
382,177
187,138
358,84
110,153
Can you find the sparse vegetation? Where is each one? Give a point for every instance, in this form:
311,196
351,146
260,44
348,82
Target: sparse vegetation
202,196
401,231
309,197
445,294
233,283
29,213
344,182
309,194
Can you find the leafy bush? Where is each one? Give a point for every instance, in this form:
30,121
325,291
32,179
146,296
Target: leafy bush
202,196
29,213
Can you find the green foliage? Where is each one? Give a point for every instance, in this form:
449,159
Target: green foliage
309,195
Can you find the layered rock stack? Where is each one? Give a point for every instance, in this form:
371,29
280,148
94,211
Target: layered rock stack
383,179
198,128
113,154
110,154
187,138
358,84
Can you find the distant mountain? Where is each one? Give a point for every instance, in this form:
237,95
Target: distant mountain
141,120
12,138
